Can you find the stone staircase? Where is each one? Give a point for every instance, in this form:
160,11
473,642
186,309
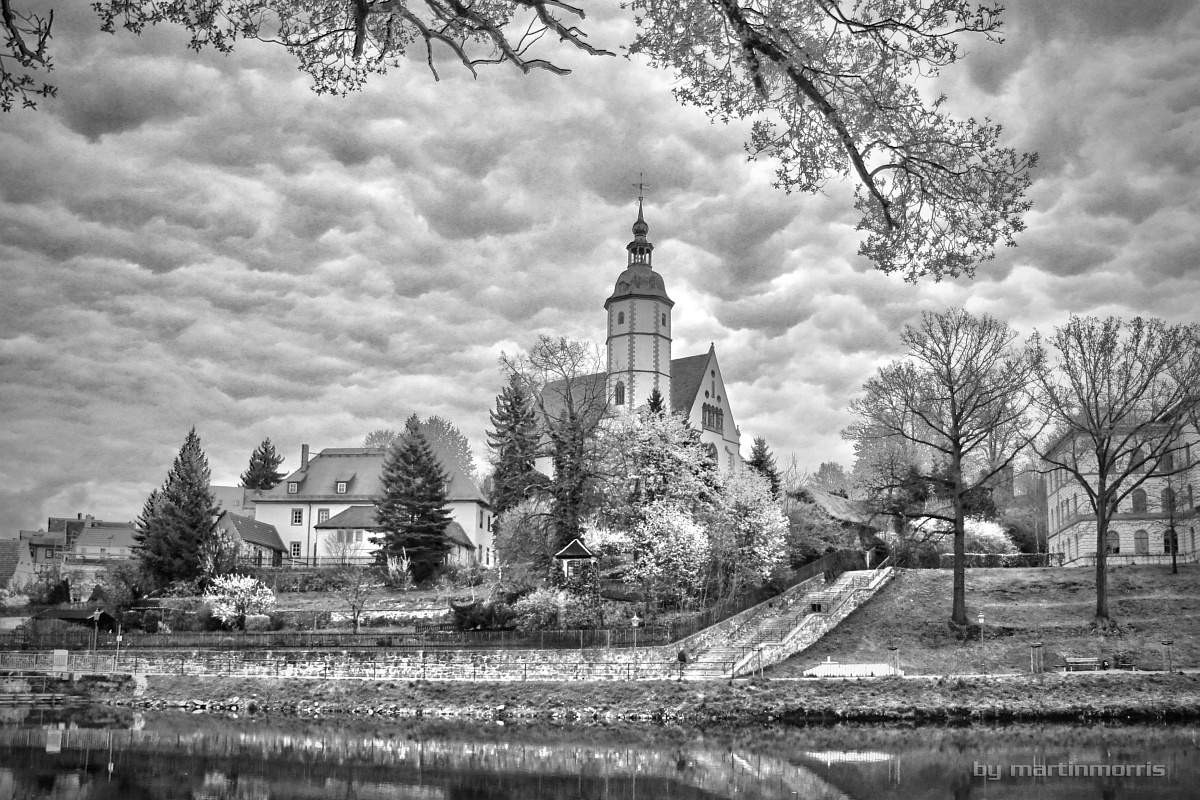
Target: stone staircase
785,625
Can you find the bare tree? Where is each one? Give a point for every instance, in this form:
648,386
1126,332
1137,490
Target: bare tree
1119,397
570,383
963,378
830,87
357,586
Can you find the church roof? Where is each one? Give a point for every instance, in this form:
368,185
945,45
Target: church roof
640,280
585,388
687,376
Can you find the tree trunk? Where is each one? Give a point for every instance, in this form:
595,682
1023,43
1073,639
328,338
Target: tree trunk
1102,620
958,615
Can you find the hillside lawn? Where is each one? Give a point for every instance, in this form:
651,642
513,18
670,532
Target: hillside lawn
1020,606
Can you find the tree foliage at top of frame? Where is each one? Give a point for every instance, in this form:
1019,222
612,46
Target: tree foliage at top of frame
831,88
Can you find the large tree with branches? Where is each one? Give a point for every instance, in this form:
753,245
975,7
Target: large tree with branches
830,88
964,378
1119,397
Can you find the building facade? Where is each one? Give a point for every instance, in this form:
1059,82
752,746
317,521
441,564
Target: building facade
1160,514
339,479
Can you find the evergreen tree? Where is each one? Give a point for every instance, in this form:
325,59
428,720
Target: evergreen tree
263,471
177,530
656,403
412,509
513,442
762,462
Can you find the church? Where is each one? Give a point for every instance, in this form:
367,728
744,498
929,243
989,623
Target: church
639,323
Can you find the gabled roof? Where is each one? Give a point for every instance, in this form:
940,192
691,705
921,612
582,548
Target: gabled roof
254,532
10,556
575,549
362,468
584,389
107,537
355,517
456,534
687,376
840,508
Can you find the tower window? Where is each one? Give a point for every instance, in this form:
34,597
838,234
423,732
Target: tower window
619,394
664,319
620,317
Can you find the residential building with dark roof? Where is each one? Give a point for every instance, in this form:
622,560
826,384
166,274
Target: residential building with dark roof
16,564
339,480
639,358
258,542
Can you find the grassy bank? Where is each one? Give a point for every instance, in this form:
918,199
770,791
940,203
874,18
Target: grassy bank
1047,697
1020,606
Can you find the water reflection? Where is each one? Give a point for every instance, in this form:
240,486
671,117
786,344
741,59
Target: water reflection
198,757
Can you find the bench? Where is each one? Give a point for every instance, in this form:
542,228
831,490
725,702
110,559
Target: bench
1074,663
1125,661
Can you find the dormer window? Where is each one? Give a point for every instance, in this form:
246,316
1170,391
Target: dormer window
340,487
293,487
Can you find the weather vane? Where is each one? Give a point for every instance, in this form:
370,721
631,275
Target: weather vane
641,187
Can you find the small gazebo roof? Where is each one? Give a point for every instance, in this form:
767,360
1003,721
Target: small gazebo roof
576,549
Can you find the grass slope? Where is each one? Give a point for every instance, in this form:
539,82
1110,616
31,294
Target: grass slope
1020,606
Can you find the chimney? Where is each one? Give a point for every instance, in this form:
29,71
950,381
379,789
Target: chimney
79,515
303,456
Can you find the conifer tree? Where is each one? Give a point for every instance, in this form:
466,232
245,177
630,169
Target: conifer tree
513,442
412,509
263,471
177,530
655,402
762,462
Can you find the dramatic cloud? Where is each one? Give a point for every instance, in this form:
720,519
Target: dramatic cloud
198,239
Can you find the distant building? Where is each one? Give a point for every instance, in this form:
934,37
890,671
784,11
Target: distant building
258,542
16,564
1141,530
342,478
237,499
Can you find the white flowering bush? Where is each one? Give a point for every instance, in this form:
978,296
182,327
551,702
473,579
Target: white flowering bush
232,597
672,553
981,536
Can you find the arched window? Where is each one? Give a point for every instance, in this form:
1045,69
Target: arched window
1139,500
1112,542
1134,458
1170,540
1141,543
664,319
1168,500
619,394
1167,464
620,317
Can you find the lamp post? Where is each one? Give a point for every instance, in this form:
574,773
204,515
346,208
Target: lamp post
1035,657
635,622
95,629
894,659
1167,643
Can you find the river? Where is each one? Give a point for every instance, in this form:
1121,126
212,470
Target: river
106,753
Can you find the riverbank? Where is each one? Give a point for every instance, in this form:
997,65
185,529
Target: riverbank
1074,697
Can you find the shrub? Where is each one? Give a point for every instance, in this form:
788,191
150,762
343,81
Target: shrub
536,611
258,622
232,598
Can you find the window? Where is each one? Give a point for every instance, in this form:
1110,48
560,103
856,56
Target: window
297,516
322,515
1141,543
1169,540
1139,501
1112,542
664,319
293,487
1168,462
295,549
341,487
620,317
619,394
1134,458
258,557
1168,500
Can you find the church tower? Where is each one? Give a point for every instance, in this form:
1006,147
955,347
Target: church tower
639,328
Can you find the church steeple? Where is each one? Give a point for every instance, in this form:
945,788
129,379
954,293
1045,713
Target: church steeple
640,249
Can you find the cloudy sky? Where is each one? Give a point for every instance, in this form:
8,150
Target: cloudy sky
201,240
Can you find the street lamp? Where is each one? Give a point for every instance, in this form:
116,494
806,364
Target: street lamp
635,622
1167,643
95,618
